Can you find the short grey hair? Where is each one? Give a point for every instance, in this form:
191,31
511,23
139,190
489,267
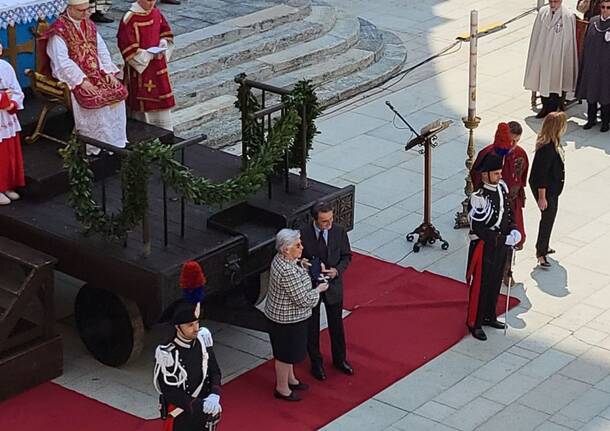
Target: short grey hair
285,238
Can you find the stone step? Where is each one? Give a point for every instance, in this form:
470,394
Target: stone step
192,118
281,37
238,28
343,88
344,35
229,31
225,128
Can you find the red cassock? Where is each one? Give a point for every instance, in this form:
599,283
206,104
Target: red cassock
150,90
11,160
514,174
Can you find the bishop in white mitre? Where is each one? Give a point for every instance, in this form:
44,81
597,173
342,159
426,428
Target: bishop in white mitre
80,58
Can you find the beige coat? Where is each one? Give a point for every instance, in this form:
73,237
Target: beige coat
552,62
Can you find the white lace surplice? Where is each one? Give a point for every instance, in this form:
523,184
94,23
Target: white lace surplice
9,124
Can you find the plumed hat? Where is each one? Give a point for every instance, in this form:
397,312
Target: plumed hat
188,308
491,162
503,141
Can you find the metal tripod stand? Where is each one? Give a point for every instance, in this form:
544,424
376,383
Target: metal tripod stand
426,232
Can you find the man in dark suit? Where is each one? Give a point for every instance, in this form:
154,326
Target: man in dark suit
329,243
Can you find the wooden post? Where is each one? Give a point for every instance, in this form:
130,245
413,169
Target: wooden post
471,122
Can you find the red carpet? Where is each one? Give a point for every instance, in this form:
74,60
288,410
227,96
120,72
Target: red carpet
400,320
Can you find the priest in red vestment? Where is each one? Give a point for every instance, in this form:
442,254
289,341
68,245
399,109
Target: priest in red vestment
11,161
514,174
146,40
80,58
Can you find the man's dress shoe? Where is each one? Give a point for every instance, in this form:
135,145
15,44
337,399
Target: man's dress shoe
318,372
478,333
494,324
171,1
345,368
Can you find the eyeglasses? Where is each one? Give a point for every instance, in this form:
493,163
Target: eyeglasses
604,7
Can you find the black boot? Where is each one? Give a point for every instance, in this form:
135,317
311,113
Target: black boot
545,107
554,102
591,115
605,118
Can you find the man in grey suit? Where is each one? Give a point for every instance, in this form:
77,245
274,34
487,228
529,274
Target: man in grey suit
328,242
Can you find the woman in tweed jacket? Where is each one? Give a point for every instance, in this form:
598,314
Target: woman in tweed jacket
289,302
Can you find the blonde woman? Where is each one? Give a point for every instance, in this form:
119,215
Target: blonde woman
547,178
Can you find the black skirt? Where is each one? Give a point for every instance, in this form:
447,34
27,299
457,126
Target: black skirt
289,341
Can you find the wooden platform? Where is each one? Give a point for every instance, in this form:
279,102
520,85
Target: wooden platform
45,176
151,281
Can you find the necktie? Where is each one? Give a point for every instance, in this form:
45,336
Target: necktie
322,247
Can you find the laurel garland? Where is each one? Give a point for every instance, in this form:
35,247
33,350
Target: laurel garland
302,95
136,169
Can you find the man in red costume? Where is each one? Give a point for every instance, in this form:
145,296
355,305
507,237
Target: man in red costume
146,40
514,174
11,162
80,58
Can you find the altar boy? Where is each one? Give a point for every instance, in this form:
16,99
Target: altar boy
11,161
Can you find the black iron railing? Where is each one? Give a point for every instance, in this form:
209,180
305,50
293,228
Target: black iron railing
264,118
124,152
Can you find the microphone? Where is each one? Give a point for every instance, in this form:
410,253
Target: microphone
387,102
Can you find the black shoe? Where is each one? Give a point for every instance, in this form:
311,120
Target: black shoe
605,127
344,367
292,397
171,1
589,125
299,386
318,372
494,324
550,251
544,264
478,333
542,113
101,18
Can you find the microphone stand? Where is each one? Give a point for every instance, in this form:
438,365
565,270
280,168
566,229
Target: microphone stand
426,232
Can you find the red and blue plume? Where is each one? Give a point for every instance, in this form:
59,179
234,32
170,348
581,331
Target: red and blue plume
503,141
192,282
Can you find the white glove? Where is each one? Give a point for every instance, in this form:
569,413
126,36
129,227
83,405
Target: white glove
163,43
211,405
513,238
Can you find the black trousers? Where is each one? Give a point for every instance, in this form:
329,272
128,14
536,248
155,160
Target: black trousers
494,259
592,109
547,220
551,103
335,328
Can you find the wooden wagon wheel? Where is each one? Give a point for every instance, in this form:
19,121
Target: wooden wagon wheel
110,325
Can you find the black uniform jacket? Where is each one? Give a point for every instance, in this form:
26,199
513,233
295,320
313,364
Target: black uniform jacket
339,256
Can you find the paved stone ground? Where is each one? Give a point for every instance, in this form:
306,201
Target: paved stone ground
552,371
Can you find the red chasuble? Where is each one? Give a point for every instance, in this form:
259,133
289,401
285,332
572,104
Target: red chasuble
514,174
82,49
150,90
